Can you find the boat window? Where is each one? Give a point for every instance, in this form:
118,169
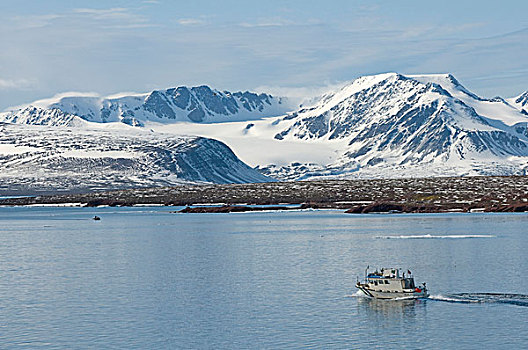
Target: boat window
408,283
386,282
375,283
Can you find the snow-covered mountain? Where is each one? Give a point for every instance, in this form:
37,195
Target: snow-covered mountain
199,104
386,125
393,125
38,158
31,115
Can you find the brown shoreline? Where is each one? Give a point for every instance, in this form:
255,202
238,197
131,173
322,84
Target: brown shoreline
420,195
381,207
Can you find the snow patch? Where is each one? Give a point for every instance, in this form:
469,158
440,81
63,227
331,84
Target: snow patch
11,149
98,154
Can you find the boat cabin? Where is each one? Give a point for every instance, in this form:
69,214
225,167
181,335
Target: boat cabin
389,280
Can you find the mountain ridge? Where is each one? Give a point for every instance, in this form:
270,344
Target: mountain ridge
385,125
199,104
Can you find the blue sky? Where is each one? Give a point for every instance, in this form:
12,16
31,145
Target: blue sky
51,46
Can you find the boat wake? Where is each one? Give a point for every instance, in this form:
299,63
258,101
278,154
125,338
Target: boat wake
358,294
429,236
463,298
470,298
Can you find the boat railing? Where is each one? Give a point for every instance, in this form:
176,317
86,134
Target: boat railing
394,273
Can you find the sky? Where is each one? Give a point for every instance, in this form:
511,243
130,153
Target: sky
283,47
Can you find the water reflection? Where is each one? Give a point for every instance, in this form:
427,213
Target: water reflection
391,309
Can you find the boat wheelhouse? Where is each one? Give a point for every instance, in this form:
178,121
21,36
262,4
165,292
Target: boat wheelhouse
390,284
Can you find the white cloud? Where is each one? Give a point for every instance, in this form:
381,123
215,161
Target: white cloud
268,23
112,13
45,102
277,22
34,21
117,17
16,84
300,95
191,21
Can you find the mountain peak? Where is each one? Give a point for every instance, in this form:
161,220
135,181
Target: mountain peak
374,99
448,82
522,99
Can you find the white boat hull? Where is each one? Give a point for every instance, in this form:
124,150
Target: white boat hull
392,295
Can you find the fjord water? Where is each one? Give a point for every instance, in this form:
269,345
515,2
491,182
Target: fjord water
146,278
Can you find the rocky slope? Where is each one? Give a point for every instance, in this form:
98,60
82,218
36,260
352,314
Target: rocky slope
39,158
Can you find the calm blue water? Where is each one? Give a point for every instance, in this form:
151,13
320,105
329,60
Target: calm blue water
144,278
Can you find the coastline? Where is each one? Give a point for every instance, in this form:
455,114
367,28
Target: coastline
408,195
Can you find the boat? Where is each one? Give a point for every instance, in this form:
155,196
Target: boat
390,284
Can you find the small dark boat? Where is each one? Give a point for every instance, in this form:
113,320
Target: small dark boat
96,218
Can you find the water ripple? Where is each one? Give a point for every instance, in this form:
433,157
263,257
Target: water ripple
468,298
429,236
